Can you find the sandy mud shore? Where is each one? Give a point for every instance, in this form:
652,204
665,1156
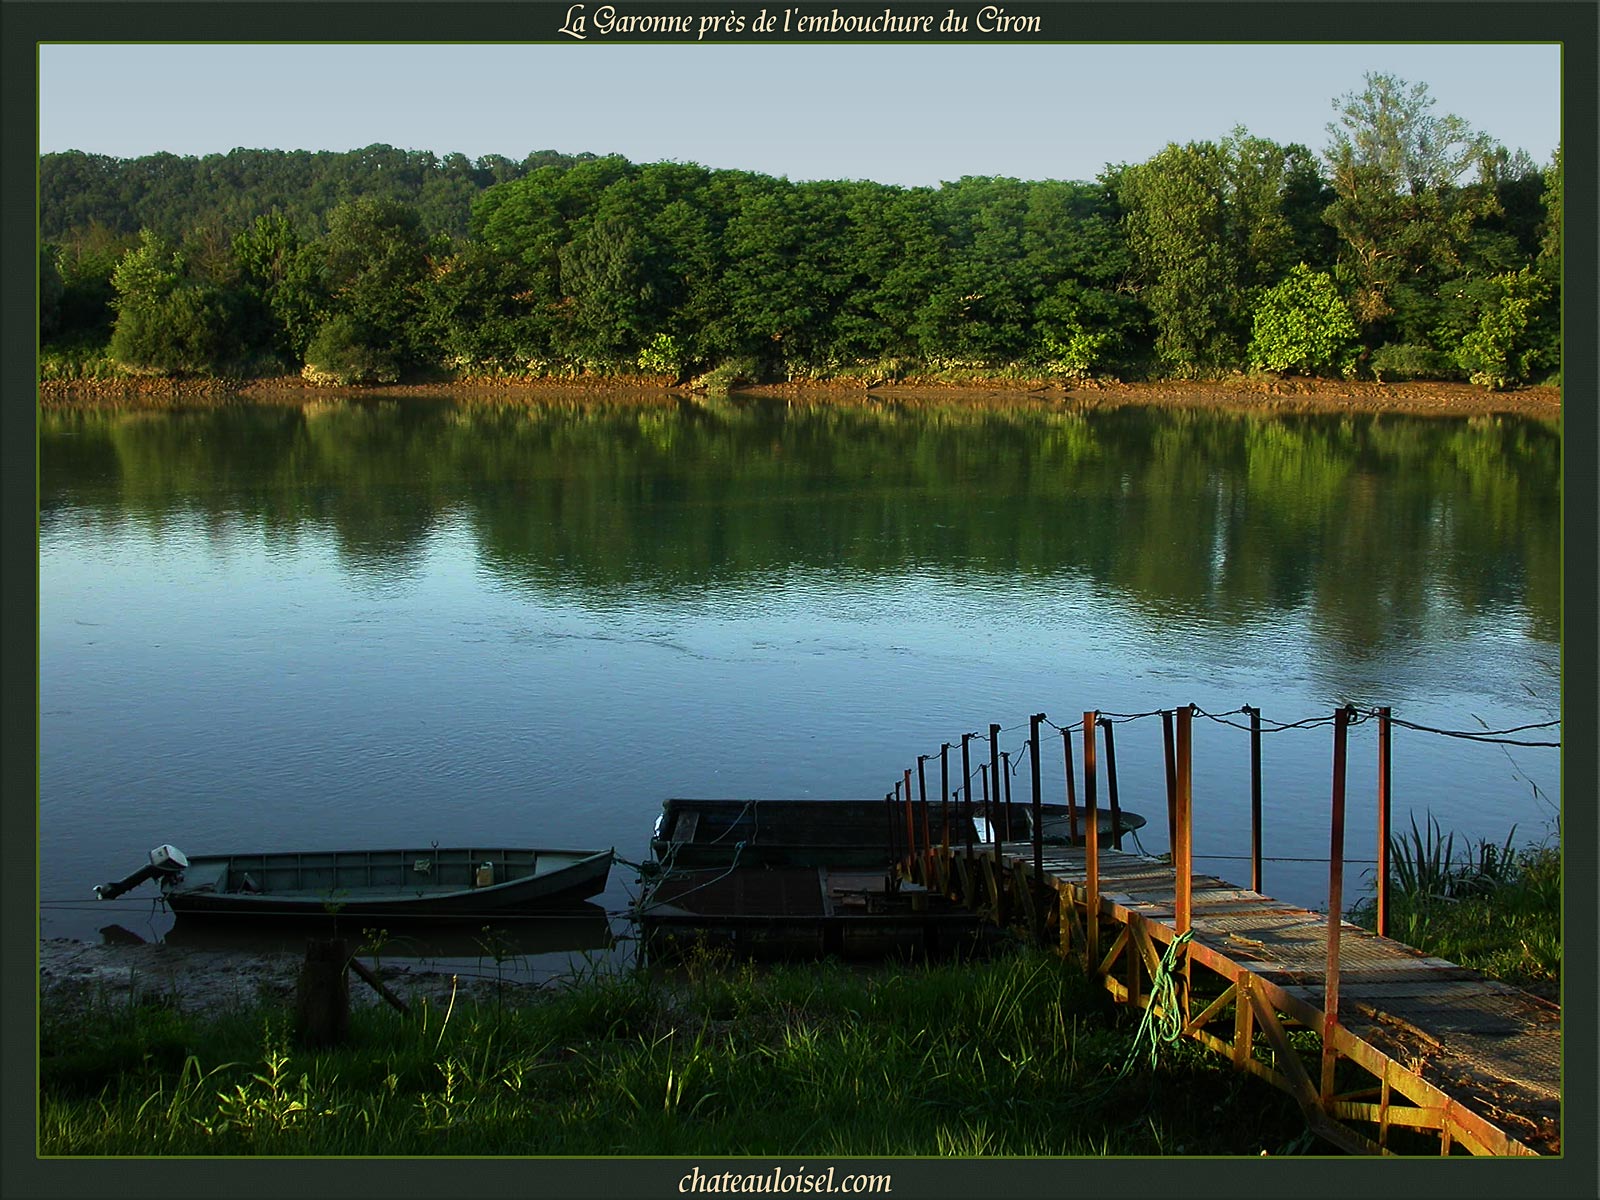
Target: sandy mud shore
75,975
1243,393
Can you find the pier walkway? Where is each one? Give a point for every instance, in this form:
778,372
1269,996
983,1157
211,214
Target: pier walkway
1416,1042
1385,1049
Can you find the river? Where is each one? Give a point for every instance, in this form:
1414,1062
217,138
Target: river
386,621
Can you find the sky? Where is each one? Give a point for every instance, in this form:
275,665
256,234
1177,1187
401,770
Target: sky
911,115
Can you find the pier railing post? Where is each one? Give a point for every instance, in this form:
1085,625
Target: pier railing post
1072,787
1384,715
911,827
966,792
1111,784
1255,797
1005,773
1330,987
1038,815
994,779
1172,780
1183,814
1091,845
944,809
922,802
1183,855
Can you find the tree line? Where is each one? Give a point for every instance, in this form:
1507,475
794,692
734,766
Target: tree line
1412,246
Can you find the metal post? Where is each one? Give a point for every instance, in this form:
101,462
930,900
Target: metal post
1038,802
1255,798
911,827
994,777
1005,773
1384,715
1183,851
966,791
1072,787
1330,987
944,793
1172,781
1091,845
922,801
1111,785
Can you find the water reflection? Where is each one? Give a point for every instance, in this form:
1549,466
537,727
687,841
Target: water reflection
284,628
1385,528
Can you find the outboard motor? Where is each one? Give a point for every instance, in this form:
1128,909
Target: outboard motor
164,861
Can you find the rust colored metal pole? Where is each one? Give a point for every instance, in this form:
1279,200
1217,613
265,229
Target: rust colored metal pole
911,826
1172,781
944,794
966,791
1005,774
1111,785
1384,715
1330,987
1072,787
994,778
1255,798
1038,801
922,803
1091,844
1183,852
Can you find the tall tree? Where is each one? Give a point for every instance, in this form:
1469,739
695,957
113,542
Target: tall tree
1401,211
1209,226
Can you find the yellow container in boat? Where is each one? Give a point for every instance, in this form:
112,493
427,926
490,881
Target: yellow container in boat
485,876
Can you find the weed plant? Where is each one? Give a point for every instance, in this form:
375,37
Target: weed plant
1488,906
1018,1055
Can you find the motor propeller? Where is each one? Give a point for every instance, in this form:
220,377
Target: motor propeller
164,860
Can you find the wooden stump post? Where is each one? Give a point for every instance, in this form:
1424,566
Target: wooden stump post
322,995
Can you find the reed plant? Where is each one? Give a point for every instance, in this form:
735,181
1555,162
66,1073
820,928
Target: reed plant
977,1058
1487,905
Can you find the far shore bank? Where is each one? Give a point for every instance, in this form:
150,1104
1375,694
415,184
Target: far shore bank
1245,393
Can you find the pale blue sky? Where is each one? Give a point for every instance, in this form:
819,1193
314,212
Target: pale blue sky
901,114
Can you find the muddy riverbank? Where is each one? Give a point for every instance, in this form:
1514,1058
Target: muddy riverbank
1241,393
75,975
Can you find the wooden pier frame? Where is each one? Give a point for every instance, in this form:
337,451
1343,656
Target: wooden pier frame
1376,1042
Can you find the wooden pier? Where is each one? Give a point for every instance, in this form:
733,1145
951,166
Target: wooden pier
1369,1036
1417,1042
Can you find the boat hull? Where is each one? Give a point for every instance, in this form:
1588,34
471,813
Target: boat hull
434,882
855,833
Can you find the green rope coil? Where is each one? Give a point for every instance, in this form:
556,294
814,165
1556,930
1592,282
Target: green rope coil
1167,1025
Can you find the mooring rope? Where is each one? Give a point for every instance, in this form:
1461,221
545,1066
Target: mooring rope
1156,1028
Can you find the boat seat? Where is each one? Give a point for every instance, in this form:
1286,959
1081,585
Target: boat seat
205,877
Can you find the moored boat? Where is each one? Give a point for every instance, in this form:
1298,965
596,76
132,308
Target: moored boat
810,833
454,882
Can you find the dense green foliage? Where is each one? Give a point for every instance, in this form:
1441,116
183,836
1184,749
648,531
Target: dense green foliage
980,1058
1441,247
1303,324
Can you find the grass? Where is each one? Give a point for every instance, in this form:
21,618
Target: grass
1488,906
1018,1055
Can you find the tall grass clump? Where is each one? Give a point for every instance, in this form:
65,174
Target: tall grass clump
1486,905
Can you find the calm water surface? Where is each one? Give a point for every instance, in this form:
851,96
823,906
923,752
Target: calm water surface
399,622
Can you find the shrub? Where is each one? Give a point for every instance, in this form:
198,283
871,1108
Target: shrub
662,356
1406,361
1505,347
340,353
1075,352
1303,324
